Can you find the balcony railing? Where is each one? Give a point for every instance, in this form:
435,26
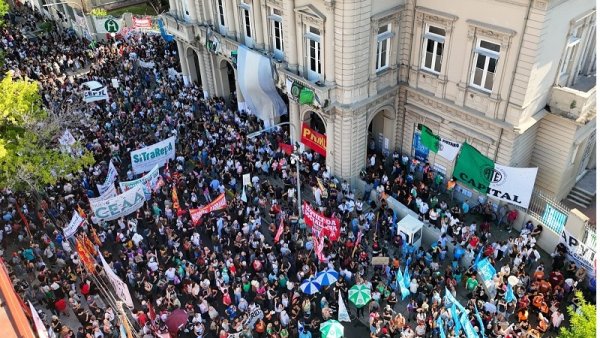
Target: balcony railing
181,29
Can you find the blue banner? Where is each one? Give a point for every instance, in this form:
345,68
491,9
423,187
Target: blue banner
486,269
421,151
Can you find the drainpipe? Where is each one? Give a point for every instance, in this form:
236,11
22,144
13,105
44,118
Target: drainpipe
514,72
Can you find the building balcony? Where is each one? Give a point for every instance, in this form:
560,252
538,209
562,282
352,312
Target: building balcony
322,91
182,30
577,102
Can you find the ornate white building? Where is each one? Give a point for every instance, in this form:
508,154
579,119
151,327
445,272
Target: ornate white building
514,78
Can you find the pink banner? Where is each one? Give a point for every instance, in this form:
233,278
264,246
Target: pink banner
144,23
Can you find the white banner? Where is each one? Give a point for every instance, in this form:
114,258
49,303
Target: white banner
67,138
143,160
254,316
246,179
93,85
40,328
111,176
343,315
144,64
448,149
71,228
118,206
121,288
110,192
583,255
95,95
512,185
147,182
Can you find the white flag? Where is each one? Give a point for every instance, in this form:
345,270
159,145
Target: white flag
72,227
343,315
121,288
41,329
448,149
244,197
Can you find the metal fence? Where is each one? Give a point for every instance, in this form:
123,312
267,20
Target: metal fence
548,211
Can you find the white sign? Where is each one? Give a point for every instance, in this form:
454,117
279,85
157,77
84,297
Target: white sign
93,85
71,228
448,149
110,192
143,160
111,176
246,180
115,83
512,185
121,288
254,316
118,206
95,95
147,182
581,254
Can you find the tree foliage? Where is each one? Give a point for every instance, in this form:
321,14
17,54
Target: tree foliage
29,154
3,10
582,319
98,12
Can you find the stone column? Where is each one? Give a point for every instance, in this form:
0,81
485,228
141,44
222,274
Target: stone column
259,14
173,7
289,25
329,44
202,64
183,59
231,21
191,7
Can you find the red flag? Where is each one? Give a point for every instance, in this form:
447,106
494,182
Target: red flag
217,204
286,148
279,231
318,243
81,212
23,219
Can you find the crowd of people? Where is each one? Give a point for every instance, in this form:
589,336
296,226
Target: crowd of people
222,269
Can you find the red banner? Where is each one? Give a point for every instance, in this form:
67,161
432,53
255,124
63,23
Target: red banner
217,204
314,140
321,226
286,148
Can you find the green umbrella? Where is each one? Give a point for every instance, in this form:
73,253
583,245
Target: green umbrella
332,329
359,295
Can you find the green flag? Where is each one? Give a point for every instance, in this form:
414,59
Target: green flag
473,169
428,139
307,96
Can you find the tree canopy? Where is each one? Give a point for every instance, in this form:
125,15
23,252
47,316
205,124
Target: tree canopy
30,157
582,319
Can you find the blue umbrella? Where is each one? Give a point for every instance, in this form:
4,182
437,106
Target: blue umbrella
327,277
310,286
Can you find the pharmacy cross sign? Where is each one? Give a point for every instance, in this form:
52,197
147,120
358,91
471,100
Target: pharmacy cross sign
111,26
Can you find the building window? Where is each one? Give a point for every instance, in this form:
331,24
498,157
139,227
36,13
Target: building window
313,46
221,12
247,23
384,38
485,61
433,49
277,32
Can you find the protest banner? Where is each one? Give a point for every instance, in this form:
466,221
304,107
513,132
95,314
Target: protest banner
321,226
71,228
217,204
160,153
118,206
147,182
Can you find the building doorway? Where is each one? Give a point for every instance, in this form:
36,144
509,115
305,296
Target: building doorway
381,133
194,66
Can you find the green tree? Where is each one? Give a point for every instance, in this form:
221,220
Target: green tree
3,10
582,319
30,157
99,12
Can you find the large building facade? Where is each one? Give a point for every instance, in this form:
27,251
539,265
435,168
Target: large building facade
514,78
